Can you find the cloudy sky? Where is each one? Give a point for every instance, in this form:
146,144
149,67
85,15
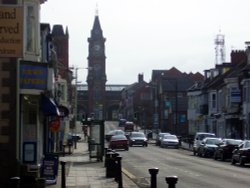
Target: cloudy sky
143,35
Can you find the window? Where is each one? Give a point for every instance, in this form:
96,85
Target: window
213,100
31,30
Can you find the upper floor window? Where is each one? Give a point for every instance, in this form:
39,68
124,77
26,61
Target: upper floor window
246,91
213,100
31,28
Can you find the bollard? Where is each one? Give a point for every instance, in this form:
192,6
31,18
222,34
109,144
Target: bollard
63,178
64,150
171,181
118,178
107,150
153,172
14,182
75,143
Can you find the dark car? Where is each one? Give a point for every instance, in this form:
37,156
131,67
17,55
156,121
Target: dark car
138,138
241,154
122,122
199,136
225,150
208,146
119,142
112,133
159,138
74,136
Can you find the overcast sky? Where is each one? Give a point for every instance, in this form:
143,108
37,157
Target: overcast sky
144,35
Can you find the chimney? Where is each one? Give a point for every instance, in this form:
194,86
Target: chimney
140,78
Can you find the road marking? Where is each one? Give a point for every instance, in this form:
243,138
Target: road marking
128,174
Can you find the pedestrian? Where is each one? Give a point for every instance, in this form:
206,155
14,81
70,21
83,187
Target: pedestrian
85,133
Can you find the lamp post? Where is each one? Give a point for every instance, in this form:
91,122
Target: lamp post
75,112
155,100
167,101
176,129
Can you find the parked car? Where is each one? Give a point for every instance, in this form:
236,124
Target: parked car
159,137
74,136
208,146
122,122
114,132
199,136
170,141
138,138
241,154
119,142
225,150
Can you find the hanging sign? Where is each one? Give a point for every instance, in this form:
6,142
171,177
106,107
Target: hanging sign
54,125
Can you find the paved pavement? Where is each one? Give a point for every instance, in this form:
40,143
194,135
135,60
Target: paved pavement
81,172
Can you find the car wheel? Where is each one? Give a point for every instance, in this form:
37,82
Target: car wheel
241,161
233,161
127,148
223,158
215,156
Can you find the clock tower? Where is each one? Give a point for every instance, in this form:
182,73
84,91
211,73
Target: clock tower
96,78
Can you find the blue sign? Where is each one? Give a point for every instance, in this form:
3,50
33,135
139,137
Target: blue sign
33,77
50,167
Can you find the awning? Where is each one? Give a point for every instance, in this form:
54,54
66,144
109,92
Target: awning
48,106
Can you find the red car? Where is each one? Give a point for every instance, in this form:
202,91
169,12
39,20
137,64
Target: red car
119,142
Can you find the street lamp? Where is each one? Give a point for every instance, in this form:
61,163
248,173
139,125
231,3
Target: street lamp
156,116
172,99
76,97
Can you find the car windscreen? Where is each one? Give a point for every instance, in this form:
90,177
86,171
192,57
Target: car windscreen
172,137
202,136
213,141
137,135
247,145
234,142
118,137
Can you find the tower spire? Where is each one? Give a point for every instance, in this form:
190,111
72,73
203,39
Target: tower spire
96,9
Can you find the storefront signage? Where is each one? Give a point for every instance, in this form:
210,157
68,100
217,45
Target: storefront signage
33,77
50,167
11,31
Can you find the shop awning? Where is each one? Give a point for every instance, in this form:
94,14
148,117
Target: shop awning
48,106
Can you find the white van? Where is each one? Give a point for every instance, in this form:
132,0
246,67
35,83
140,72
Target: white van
199,136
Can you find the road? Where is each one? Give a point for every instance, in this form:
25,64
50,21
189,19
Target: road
192,171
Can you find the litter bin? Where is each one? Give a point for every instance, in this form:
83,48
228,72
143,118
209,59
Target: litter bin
111,164
91,144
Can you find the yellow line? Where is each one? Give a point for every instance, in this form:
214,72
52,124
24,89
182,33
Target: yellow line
128,174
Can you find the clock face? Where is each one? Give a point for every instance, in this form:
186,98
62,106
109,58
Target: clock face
97,49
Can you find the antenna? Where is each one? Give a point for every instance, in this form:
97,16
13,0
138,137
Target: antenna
219,48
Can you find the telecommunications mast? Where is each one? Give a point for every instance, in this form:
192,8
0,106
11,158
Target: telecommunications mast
219,49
